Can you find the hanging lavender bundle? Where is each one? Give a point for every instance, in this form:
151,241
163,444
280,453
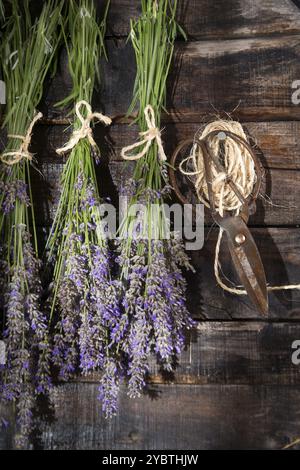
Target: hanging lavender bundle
27,52
2,84
2,15
85,299
155,314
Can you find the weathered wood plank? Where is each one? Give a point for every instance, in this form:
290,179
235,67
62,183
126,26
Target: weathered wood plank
282,188
278,143
177,417
279,249
229,370
221,19
254,77
215,20
232,353
6,427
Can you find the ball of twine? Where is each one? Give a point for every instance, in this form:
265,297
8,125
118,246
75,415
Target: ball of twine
239,166
236,160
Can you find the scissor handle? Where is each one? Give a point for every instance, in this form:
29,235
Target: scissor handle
173,169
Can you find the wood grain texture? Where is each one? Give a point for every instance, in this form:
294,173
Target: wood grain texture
278,206
249,78
277,143
232,353
235,386
177,417
6,427
237,373
205,19
279,249
221,19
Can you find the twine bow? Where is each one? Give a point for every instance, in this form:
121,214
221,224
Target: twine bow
153,133
15,156
85,130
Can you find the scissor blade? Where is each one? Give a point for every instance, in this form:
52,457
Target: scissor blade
247,261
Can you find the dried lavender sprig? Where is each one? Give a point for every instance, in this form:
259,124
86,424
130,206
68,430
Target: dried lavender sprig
27,50
85,298
2,16
155,314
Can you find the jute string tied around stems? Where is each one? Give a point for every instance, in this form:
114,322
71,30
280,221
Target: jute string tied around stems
240,168
148,137
15,156
85,130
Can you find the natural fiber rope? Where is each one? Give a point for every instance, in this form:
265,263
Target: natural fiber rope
15,156
240,168
85,131
153,133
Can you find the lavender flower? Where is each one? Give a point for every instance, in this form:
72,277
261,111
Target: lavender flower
109,387
17,328
25,418
13,191
64,353
25,331
129,188
26,372
89,308
158,304
40,344
154,307
139,346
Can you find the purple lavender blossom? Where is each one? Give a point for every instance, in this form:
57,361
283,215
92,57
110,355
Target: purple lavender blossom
25,418
158,304
155,313
12,191
26,372
139,347
129,188
88,197
89,305
102,313
64,352
109,387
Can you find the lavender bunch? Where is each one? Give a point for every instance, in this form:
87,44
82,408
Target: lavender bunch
84,303
2,12
154,311
27,52
2,19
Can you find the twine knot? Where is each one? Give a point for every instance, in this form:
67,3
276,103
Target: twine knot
150,135
85,131
15,156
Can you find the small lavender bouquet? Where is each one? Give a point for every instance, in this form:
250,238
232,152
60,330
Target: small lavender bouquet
2,15
154,310
27,51
84,302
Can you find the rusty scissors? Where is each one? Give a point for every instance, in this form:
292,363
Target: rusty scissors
241,245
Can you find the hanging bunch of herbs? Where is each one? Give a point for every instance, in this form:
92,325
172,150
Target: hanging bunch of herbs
154,310
2,86
84,301
27,51
1,10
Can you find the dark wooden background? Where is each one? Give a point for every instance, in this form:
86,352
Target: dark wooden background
235,387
